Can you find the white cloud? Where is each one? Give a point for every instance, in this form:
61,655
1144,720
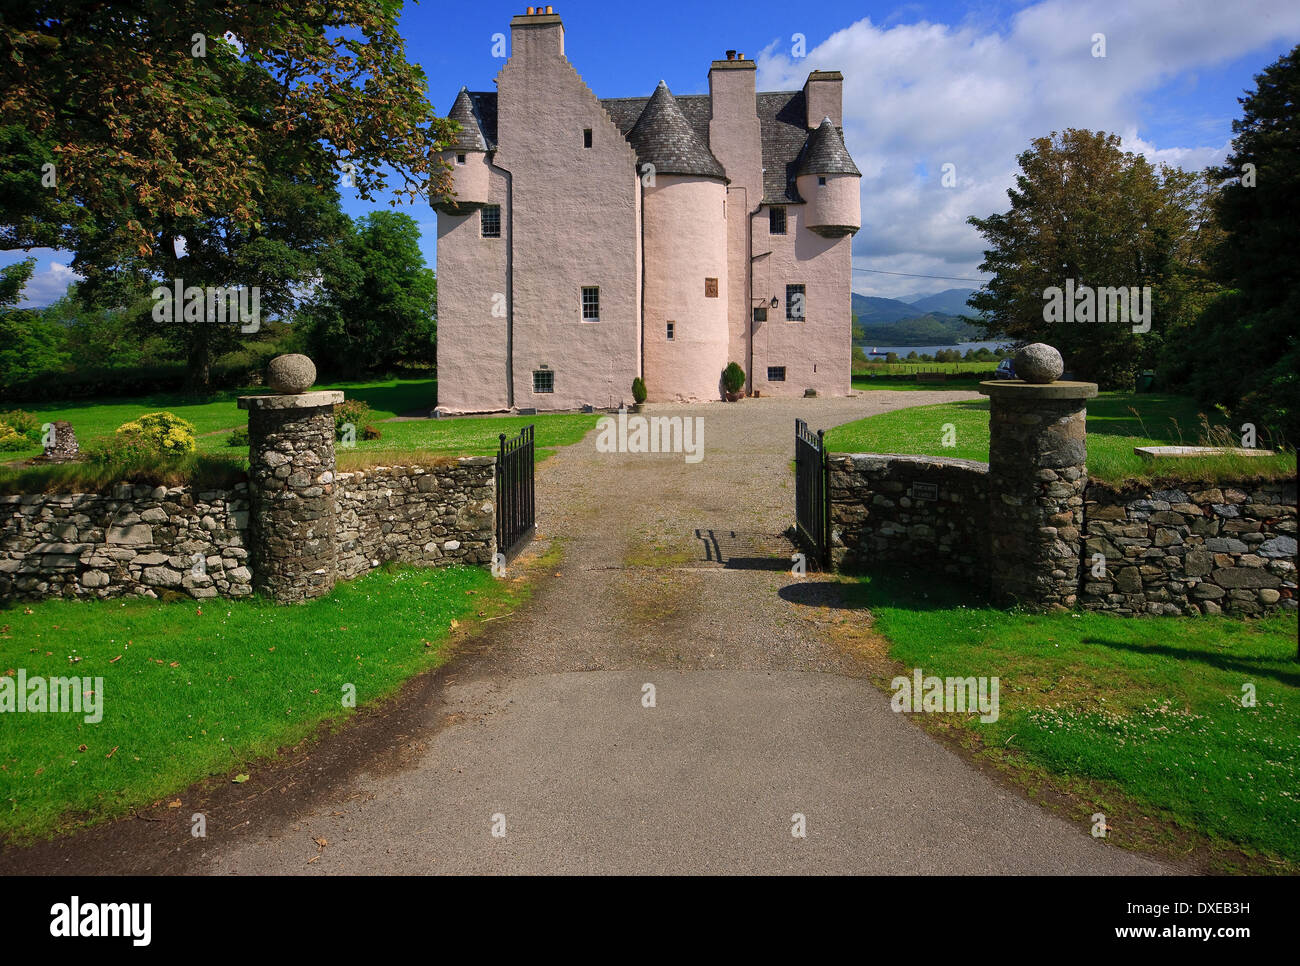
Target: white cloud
975,93
47,286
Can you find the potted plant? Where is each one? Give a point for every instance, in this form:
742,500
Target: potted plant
638,394
733,381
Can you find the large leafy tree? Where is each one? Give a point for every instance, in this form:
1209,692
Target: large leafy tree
376,304
1084,209
29,343
166,138
1244,352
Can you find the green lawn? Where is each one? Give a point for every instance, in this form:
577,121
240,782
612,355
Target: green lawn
216,414
965,381
1116,423
193,689
1149,706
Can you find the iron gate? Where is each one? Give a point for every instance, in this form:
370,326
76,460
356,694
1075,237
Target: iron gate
515,496
812,507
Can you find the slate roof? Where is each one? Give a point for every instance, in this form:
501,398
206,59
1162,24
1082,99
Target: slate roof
464,113
662,136
782,131
825,152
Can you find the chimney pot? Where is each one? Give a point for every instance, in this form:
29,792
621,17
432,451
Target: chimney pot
731,55
528,11
740,57
550,9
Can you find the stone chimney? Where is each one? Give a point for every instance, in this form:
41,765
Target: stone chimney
823,92
537,34
731,86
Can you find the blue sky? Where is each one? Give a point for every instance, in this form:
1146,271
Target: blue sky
925,84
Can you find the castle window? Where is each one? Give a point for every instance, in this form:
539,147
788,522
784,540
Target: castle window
490,220
543,380
795,308
671,326
460,159
776,221
776,373
760,314
821,180
586,138
591,303
710,288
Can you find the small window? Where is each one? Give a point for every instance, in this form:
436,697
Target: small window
760,314
591,303
710,288
586,138
543,380
776,373
821,180
671,326
776,221
795,309
490,218
460,159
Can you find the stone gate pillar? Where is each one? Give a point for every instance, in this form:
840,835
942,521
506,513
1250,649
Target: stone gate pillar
1037,474
292,520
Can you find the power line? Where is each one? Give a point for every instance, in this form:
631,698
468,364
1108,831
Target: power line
946,278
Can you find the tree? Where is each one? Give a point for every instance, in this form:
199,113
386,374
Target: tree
1087,215
187,126
29,344
1243,353
376,304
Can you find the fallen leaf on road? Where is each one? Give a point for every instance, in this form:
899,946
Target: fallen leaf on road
313,858
455,624
174,804
321,842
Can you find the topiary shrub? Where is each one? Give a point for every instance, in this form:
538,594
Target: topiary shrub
163,434
352,411
638,390
733,377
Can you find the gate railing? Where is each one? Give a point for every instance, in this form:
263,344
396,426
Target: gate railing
516,508
812,506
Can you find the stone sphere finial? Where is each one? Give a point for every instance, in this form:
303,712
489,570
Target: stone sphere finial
1039,363
291,374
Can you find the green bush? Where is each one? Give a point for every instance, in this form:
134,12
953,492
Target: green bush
11,439
18,430
163,433
354,411
638,390
238,437
733,377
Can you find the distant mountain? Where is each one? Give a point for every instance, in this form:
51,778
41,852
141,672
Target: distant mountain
949,302
878,311
933,328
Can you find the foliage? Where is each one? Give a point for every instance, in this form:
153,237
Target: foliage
1084,210
733,377
376,304
1243,352
354,412
162,433
238,437
30,346
638,390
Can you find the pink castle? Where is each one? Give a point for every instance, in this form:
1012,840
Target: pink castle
592,241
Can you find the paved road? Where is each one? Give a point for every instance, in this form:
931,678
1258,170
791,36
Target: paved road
674,574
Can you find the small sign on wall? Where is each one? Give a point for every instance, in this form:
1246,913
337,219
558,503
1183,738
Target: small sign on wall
925,491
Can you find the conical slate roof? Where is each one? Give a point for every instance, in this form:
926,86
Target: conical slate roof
825,152
663,137
470,137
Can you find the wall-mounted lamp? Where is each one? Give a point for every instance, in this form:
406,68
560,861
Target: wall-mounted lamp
773,302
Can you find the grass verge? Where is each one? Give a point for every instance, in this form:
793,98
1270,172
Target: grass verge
1117,422
195,689
1141,719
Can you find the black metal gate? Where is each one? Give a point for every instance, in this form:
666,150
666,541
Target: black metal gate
515,497
812,506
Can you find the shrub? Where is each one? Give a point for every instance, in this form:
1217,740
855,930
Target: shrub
163,433
370,433
353,411
638,390
22,423
733,377
11,439
238,437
